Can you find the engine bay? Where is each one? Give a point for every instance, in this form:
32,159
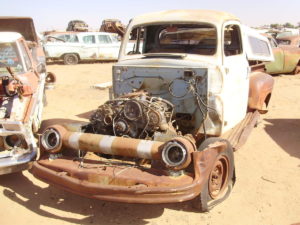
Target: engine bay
139,116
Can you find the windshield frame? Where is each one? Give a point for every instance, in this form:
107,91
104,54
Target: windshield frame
126,40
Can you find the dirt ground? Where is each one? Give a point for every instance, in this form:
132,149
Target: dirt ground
267,190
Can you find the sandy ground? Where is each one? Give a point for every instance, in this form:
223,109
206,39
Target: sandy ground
267,190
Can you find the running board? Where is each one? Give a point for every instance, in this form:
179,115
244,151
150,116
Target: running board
238,135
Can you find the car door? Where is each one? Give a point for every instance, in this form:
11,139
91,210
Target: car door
89,47
277,65
108,47
236,79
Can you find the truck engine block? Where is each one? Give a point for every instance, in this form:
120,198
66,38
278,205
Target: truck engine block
141,117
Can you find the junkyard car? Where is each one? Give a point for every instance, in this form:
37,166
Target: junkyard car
77,25
22,81
73,46
289,40
186,95
113,26
287,58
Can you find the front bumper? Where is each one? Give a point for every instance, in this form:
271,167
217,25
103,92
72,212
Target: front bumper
130,185
15,168
19,161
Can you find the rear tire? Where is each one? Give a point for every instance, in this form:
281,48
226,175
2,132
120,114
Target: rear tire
221,179
70,59
297,70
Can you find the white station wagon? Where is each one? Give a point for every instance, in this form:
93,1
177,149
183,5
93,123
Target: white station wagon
72,47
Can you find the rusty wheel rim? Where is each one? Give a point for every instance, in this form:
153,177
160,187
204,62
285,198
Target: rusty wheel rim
218,178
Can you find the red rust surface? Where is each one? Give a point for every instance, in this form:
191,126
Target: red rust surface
132,185
261,85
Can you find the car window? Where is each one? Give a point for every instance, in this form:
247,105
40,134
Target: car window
283,42
25,56
187,38
71,38
89,39
9,56
62,37
258,46
114,38
232,40
104,39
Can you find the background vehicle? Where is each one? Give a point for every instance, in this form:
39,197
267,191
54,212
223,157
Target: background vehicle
289,40
287,59
113,26
22,83
185,95
73,46
77,25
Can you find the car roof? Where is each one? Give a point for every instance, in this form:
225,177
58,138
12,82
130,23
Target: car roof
204,16
9,37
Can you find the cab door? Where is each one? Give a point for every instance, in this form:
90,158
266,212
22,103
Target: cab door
89,48
236,78
277,65
108,48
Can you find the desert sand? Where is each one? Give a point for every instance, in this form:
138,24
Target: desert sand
267,190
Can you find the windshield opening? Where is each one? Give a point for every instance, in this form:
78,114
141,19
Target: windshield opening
283,42
9,56
198,39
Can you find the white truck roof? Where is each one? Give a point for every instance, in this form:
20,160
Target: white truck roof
191,15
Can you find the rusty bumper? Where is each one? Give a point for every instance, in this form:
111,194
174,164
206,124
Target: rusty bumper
126,184
15,168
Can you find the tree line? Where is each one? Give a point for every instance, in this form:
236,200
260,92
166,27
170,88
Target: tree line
285,25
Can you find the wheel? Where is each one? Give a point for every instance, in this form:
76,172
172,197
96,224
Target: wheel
221,178
70,59
50,78
297,70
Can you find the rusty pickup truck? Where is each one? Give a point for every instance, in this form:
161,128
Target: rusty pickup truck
185,96
287,58
22,85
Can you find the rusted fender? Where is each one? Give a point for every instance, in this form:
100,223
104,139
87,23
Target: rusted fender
261,86
130,185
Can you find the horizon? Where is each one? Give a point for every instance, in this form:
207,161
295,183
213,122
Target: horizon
55,15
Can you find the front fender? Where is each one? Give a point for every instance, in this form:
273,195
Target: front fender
260,90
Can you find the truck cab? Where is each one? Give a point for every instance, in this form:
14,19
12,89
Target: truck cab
213,50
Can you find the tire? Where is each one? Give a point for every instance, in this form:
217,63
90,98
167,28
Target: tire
70,59
297,70
214,192
50,78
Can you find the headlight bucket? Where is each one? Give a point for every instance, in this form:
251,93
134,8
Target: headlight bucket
176,153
